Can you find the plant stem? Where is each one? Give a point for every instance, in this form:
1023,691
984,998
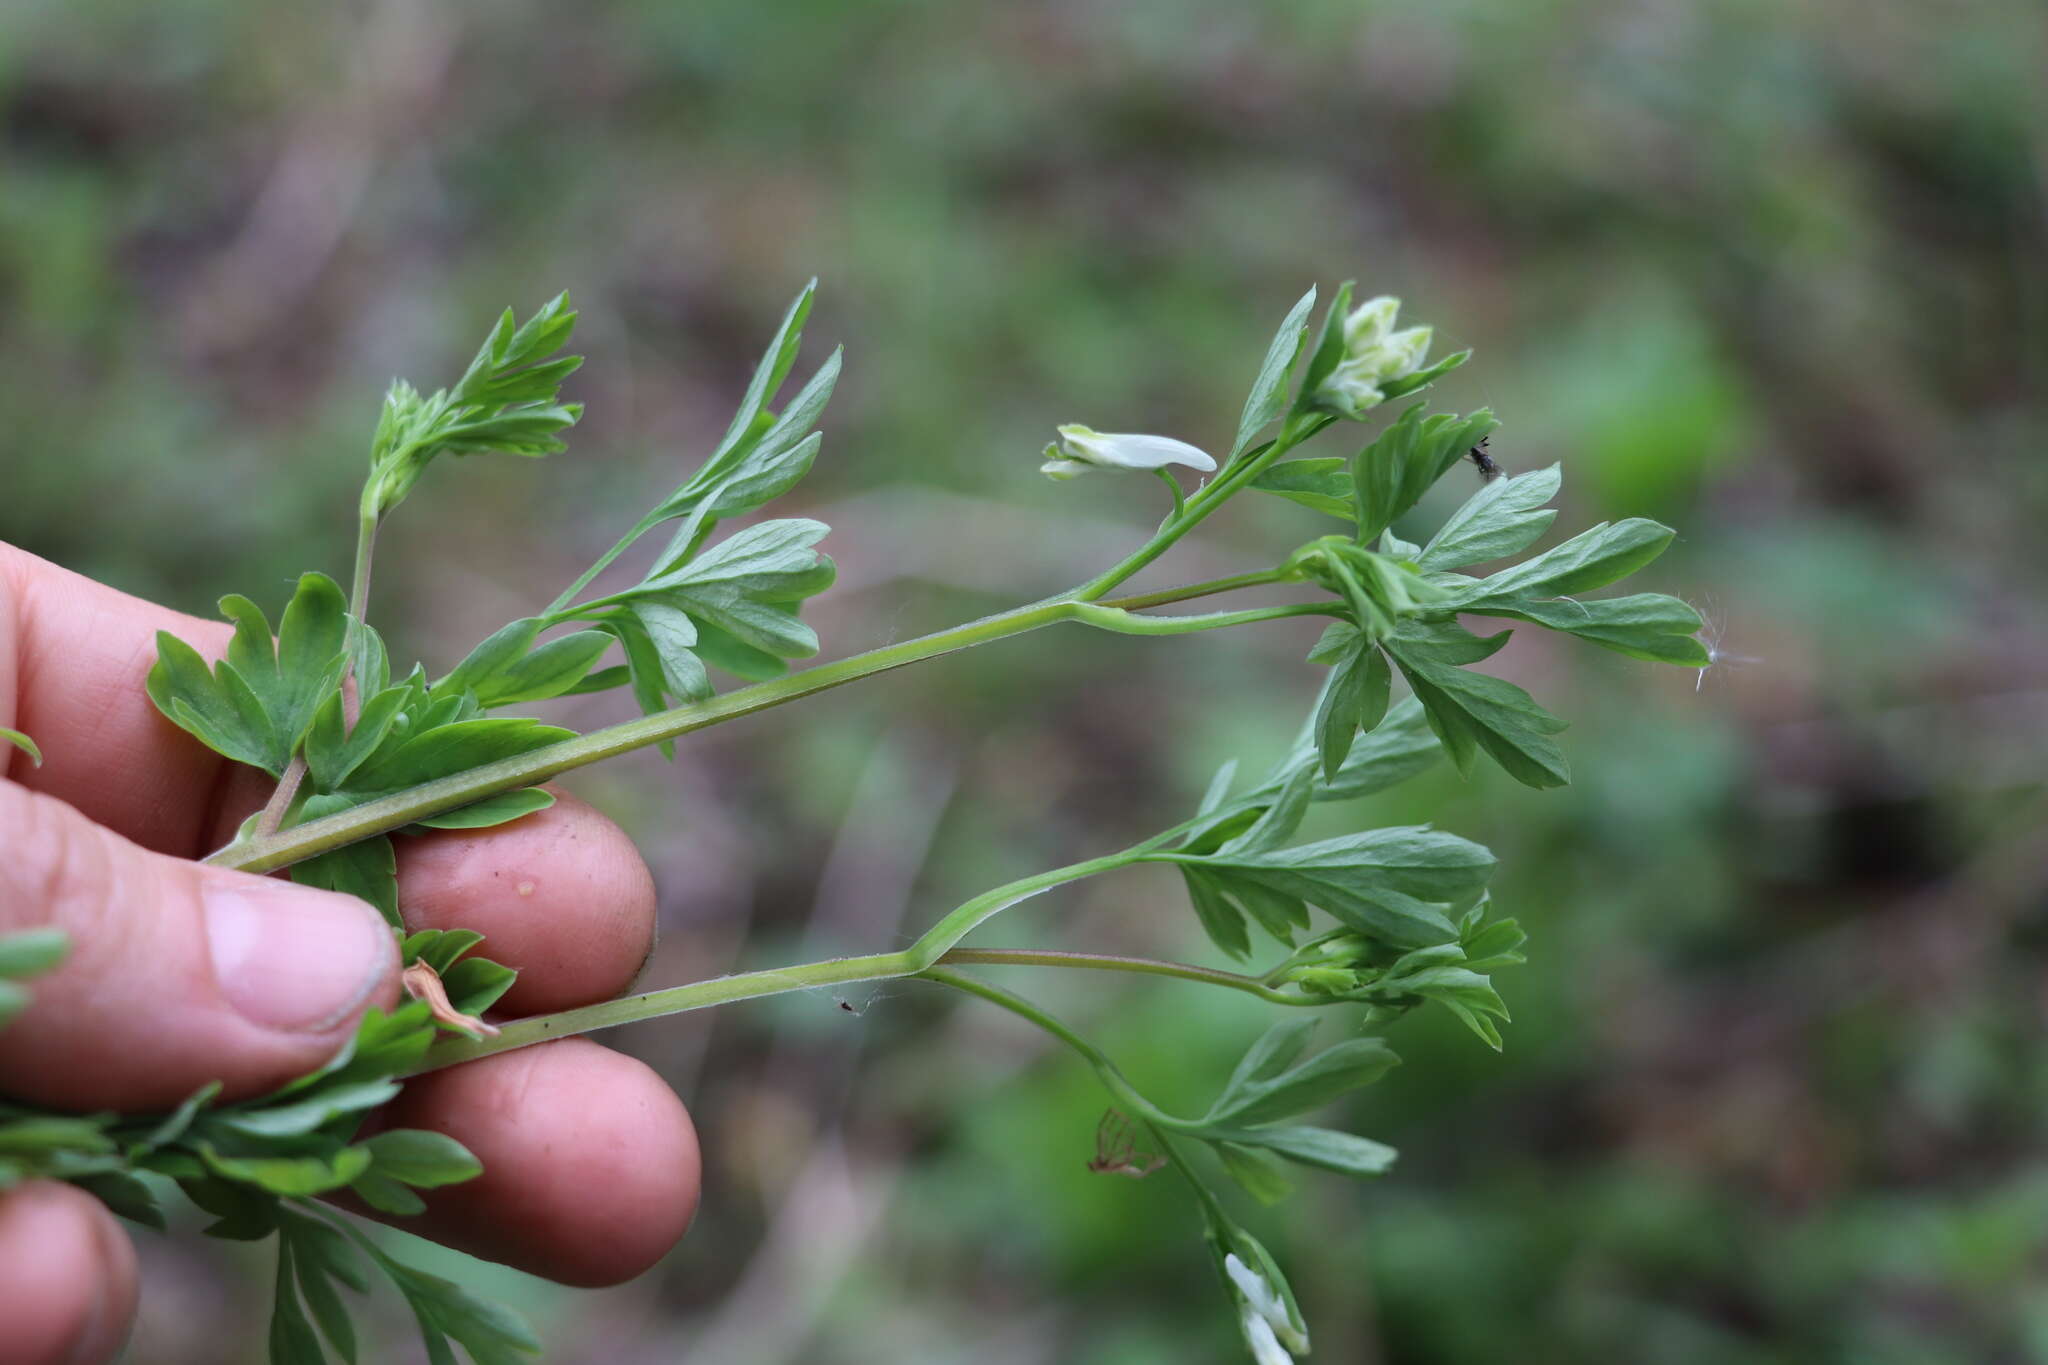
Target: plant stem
1206,500
280,848
294,775
1165,596
1210,976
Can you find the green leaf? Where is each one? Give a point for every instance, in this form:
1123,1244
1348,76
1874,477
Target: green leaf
446,749
1221,921
1329,349
367,870
1322,485
291,1337
318,1109
320,1257
1269,391
1259,1172
720,650
492,1335
507,669
1470,711
126,1196
1271,1054
333,751
1422,378
783,454
422,1159
198,702
1592,559
1335,1071
31,952
1219,788
1326,1148
1391,883
475,984
769,557
386,1195
175,1123
1354,696
1503,518
1643,626
23,743
492,810
259,701
769,374
1281,817
1391,475
290,1176
1390,753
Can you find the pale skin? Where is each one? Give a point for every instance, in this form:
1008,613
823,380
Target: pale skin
590,1163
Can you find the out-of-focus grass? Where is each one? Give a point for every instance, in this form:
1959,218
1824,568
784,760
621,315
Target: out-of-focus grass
1771,273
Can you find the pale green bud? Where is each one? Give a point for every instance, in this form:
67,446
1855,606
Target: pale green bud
1374,354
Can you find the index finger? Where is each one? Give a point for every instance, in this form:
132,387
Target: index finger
74,655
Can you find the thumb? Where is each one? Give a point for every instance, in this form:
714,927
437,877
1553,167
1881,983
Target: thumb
178,973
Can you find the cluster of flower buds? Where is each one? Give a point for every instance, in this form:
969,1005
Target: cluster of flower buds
1374,355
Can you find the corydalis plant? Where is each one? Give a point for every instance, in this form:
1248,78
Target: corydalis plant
361,751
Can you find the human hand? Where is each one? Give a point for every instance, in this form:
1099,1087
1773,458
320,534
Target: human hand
180,973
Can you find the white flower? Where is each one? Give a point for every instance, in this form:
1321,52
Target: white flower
1083,448
1265,1318
1266,1348
1374,354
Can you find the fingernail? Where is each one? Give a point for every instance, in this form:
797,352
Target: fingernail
292,958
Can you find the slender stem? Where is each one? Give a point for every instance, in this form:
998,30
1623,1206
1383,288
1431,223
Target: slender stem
724,990
1113,1080
1129,623
294,775
1165,596
280,848
359,587
1209,976
604,562
1206,500
1156,1120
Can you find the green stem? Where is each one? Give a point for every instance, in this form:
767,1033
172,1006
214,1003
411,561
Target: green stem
281,848
604,562
724,990
1156,1120
1129,623
1205,501
1106,962
1209,588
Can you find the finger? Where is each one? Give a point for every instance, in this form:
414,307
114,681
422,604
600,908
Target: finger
590,1162
561,895
67,1277
73,658
178,973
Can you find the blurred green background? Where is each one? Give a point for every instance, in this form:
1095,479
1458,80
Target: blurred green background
1776,273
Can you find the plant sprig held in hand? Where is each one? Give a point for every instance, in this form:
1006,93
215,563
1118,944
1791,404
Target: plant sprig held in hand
1371,924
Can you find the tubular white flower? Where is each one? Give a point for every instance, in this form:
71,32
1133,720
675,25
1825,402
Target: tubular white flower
1266,1348
1264,1308
1374,354
1083,448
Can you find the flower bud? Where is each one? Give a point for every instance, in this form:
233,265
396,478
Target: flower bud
1264,1315
1082,448
1374,354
